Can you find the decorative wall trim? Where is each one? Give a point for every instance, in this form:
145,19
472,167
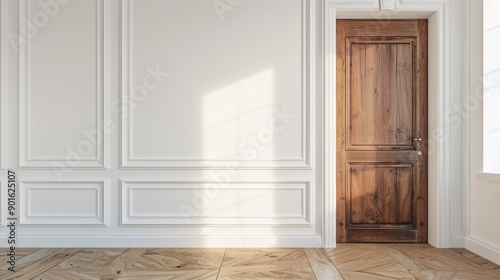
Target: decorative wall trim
307,121
360,3
188,213
171,241
3,197
25,159
26,199
457,241
440,9
2,84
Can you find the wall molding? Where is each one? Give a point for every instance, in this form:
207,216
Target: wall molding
2,84
27,161
440,9
457,241
170,241
307,121
304,218
3,197
25,199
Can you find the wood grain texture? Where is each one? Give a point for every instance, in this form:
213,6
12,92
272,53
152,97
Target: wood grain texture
446,275
378,275
321,265
180,274
90,259
163,259
341,135
122,262
43,262
362,257
477,259
381,107
266,264
417,259
347,261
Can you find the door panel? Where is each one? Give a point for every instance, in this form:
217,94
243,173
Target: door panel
382,99
380,194
374,121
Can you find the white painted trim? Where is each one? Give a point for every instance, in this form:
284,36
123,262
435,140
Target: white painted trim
128,219
466,157
440,10
27,162
457,241
2,84
100,219
487,251
329,128
307,122
169,241
492,177
3,197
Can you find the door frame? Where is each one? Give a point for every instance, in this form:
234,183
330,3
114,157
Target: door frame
437,12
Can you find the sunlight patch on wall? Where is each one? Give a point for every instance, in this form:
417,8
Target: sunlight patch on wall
234,113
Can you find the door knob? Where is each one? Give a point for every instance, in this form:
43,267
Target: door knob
418,139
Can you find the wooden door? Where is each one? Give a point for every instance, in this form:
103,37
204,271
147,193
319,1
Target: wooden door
381,131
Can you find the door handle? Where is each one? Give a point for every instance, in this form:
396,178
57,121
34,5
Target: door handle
418,139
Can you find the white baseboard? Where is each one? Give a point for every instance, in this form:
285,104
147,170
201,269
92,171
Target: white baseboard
313,241
484,250
457,241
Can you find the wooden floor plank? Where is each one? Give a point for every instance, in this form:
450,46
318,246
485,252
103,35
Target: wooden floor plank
43,264
28,259
477,259
123,261
90,260
171,274
347,261
378,275
444,275
415,259
322,266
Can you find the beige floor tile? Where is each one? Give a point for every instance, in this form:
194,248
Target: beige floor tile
362,257
455,275
415,259
321,265
176,274
377,275
161,259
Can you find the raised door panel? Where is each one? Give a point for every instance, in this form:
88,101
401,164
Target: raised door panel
380,94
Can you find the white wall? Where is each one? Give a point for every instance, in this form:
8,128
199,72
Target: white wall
484,226
163,123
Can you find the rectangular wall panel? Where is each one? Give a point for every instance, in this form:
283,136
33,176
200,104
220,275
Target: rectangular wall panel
250,103
62,203
208,203
62,84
